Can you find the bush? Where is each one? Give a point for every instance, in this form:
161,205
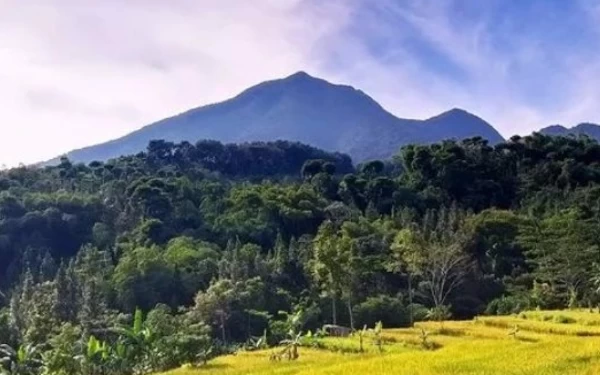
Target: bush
388,310
420,312
508,305
561,319
6,332
278,331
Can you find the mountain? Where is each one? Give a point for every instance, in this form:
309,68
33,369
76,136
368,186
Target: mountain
458,124
300,108
589,129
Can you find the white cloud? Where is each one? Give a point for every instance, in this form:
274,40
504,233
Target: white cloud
75,73
506,66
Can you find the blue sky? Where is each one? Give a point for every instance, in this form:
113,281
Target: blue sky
75,73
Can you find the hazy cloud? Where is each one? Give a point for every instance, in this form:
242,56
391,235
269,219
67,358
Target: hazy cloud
75,73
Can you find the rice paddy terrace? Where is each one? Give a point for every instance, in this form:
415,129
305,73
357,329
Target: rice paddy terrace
537,342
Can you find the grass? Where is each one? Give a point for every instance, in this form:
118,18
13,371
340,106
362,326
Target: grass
550,342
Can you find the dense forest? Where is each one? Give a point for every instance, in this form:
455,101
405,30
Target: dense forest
186,251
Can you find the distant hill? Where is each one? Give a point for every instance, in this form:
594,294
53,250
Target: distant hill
304,109
589,129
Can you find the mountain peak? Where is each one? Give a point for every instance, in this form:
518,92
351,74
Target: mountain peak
586,125
556,127
460,124
584,128
299,75
300,108
458,112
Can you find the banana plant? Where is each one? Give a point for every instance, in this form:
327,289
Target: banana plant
136,343
138,334
257,343
204,356
119,358
377,331
424,336
25,360
439,314
295,322
361,337
60,362
514,331
95,357
292,344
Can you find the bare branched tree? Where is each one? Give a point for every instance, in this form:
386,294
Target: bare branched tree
434,251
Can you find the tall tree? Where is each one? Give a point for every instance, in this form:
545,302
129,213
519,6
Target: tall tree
435,251
327,269
563,249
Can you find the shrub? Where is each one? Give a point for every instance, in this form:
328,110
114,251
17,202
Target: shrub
388,310
6,332
419,312
278,331
523,316
561,319
508,305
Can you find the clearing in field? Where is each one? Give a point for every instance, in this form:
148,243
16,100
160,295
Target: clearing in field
550,342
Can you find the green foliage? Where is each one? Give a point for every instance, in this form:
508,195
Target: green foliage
507,305
143,278
291,346
209,242
24,360
436,253
60,359
439,313
562,319
563,249
378,338
388,310
6,331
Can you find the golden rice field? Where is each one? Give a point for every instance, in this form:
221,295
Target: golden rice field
546,342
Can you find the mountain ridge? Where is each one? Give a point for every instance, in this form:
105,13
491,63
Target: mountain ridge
302,108
585,128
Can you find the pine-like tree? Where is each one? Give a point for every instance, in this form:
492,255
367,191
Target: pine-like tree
67,302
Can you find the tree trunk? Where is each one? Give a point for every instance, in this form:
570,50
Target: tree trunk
333,310
351,315
410,301
223,329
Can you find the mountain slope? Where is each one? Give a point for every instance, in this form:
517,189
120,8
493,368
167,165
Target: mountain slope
458,124
304,109
589,129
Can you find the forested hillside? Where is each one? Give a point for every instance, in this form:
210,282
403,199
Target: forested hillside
215,244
